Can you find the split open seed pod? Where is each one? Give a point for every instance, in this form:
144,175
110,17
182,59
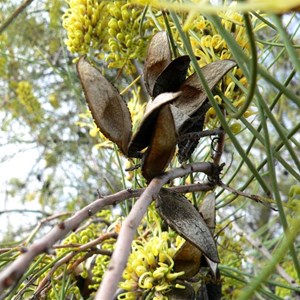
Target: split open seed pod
108,109
189,258
163,139
193,102
142,137
193,94
211,289
161,74
157,59
192,125
172,77
162,145
208,212
185,293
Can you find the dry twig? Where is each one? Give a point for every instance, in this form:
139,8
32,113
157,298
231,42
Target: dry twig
14,272
14,15
122,249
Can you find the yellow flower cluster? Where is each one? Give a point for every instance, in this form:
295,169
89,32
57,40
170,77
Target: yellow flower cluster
100,266
75,238
3,58
293,204
79,238
210,46
28,104
53,100
149,269
125,29
55,8
136,108
232,252
111,27
280,291
86,25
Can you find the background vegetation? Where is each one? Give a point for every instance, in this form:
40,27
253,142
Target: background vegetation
43,112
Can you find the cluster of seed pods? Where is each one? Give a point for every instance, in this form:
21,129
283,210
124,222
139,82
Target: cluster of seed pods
176,102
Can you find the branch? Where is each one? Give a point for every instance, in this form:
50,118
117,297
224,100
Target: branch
221,142
199,135
259,199
14,271
14,15
69,256
220,147
123,245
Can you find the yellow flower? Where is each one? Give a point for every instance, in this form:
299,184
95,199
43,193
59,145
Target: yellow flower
149,267
26,104
125,35
209,46
86,25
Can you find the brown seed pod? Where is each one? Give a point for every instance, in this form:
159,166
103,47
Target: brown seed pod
211,288
172,76
142,137
108,109
193,102
160,73
192,125
158,57
189,258
185,293
162,145
208,211
182,217
193,94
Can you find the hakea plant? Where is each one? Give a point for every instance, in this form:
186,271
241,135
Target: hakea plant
177,109
178,104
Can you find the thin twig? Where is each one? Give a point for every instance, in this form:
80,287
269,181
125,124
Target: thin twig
69,256
198,135
263,200
14,271
123,245
41,223
14,15
195,187
220,147
221,142
144,97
